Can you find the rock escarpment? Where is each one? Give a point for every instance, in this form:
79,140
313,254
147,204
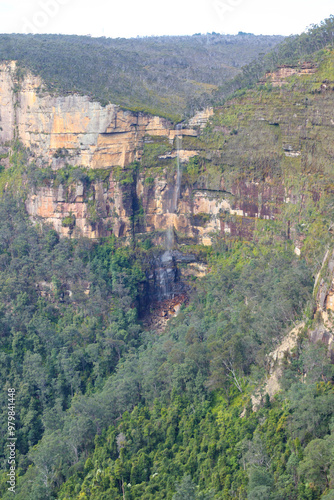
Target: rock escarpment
132,174
72,130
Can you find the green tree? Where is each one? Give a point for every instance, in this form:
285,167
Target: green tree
318,457
185,489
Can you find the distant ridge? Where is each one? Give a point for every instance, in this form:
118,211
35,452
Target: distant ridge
161,75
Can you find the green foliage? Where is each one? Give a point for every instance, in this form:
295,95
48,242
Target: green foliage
97,372
150,158
126,175
167,438
67,176
201,219
158,75
294,50
318,458
68,221
192,171
11,179
185,489
64,327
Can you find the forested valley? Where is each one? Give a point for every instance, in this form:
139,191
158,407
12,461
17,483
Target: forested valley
107,408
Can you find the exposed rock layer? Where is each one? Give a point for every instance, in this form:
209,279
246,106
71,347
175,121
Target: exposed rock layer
87,133
72,130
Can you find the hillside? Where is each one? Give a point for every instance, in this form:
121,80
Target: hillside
293,50
167,292
160,75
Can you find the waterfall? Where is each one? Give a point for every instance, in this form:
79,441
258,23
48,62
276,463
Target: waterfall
178,169
169,243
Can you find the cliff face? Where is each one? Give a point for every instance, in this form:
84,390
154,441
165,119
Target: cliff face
72,130
87,133
278,78
221,175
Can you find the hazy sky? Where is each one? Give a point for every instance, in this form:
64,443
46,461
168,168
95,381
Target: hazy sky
129,18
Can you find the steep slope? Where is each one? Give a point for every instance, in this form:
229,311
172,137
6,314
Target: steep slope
246,165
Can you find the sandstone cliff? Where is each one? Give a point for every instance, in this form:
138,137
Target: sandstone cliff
86,133
219,174
72,130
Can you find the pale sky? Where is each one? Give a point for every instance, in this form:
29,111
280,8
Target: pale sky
131,18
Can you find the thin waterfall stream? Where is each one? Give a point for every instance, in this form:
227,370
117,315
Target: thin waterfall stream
178,168
166,276
169,241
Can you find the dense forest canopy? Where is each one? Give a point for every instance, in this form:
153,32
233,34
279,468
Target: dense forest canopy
80,361
170,76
